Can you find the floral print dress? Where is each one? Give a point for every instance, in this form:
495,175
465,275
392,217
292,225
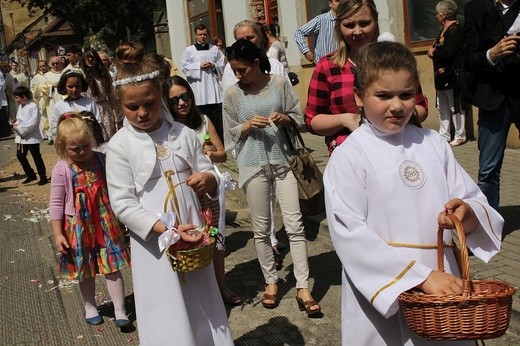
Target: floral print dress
95,235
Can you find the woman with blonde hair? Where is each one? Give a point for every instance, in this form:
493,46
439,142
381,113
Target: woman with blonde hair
249,30
331,110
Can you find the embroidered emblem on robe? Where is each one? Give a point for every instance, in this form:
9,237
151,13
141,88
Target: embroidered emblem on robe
411,174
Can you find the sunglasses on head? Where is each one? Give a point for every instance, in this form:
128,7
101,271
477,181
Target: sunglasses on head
174,101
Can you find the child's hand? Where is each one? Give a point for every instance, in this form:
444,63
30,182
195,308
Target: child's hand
190,234
202,183
462,211
61,244
441,283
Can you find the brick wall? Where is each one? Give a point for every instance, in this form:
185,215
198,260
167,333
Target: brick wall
258,11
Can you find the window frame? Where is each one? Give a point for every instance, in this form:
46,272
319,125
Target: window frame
427,42
213,14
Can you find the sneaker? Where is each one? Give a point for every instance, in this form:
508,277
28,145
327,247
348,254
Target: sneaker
43,181
94,321
29,179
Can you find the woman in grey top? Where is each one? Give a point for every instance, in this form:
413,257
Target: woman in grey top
276,47
254,110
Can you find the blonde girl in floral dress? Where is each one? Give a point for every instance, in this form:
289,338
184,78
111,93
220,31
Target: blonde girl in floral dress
87,234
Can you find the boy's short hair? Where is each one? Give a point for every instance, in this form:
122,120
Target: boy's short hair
201,27
69,74
23,91
73,49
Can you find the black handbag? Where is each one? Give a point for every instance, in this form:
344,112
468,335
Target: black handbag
307,174
293,77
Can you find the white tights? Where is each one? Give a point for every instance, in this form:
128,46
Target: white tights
116,290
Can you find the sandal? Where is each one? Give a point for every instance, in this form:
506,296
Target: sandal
457,142
229,297
307,305
270,301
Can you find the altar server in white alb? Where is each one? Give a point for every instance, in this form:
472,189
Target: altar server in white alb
387,189
203,65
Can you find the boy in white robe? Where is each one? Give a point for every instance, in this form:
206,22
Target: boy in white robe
387,189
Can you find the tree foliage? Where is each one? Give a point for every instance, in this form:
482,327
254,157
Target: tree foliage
123,17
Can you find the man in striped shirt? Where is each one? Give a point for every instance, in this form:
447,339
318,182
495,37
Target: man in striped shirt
322,29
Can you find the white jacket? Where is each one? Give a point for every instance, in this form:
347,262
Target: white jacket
28,119
131,158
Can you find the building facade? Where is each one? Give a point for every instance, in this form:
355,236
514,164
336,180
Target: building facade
410,21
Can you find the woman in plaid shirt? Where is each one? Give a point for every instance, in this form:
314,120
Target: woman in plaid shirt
331,90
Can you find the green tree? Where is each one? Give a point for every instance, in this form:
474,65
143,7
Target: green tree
124,18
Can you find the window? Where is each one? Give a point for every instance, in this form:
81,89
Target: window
271,11
316,7
421,27
207,12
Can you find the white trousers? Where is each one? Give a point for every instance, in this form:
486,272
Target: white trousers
446,106
258,194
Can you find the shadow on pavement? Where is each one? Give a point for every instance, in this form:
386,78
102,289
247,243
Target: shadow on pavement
512,221
13,177
277,331
325,269
107,310
237,240
4,189
311,225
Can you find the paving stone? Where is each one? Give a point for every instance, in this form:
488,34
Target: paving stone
41,313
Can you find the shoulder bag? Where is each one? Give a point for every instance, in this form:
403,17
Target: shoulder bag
307,173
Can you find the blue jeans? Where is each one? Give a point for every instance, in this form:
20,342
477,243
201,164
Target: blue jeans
493,128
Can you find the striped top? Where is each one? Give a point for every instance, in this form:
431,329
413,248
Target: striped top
322,29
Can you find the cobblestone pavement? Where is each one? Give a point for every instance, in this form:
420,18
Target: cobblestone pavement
39,308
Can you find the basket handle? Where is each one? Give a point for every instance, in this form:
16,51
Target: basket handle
172,196
464,261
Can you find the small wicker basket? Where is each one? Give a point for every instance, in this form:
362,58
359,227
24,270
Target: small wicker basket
481,312
187,260
192,259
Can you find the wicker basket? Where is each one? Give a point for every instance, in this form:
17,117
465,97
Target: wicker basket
482,312
192,259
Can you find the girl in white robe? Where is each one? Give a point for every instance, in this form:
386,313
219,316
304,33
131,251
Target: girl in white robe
387,189
172,308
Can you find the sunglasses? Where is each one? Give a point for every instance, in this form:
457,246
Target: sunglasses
174,101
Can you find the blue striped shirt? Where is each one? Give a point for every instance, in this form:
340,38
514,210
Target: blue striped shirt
322,29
